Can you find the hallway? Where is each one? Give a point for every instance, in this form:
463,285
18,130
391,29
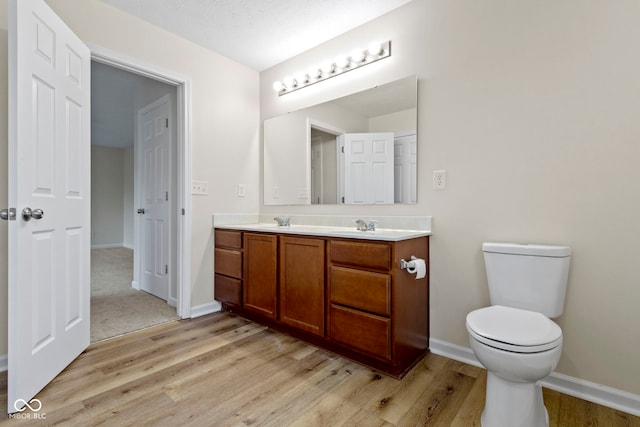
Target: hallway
117,308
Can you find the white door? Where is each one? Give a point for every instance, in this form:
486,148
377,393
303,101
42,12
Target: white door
368,173
405,168
154,164
49,172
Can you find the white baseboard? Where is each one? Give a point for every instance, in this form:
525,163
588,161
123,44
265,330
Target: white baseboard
204,309
592,392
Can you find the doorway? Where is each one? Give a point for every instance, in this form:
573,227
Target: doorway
118,305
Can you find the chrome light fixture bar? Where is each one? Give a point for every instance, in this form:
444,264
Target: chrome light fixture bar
340,65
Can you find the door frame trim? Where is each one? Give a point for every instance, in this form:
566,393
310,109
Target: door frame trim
183,173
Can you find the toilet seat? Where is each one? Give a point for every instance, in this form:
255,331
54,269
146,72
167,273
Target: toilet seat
513,329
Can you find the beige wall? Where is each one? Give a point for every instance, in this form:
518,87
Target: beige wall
225,122
107,196
533,109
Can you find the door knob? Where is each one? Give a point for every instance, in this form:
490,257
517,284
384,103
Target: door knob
8,214
28,213
141,211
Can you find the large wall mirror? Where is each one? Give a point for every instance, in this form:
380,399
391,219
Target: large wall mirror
359,149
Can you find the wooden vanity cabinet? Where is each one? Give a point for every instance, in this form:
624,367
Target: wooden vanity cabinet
360,296
302,283
349,296
375,307
261,274
228,258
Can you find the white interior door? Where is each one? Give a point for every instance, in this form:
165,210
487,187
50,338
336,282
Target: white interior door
154,164
49,172
405,168
368,173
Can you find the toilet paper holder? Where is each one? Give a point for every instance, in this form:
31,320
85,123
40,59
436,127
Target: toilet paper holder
405,264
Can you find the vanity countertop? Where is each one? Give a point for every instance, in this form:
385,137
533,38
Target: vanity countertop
392,235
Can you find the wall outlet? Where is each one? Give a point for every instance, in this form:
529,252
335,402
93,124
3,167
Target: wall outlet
240,190
276,192
200,187
439,180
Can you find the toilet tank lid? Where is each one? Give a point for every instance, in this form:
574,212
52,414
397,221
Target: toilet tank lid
527,249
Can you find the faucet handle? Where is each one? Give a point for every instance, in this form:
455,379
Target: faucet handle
361,225
283,222
371,224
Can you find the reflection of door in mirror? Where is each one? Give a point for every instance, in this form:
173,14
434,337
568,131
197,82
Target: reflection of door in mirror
368,167
405,167
324,185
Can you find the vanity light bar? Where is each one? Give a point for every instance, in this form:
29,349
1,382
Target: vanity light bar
340,65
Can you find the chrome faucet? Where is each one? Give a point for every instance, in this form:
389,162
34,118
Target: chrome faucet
283,222
363,225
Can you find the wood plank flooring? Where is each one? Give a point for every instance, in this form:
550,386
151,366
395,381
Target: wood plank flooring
222,370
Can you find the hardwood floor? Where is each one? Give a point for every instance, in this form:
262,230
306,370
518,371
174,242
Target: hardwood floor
222,370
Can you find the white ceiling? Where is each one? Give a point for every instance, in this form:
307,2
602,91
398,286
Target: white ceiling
258,33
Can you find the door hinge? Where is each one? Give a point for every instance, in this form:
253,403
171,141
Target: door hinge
182,211
166,121
342,199
166,269
166,196
342,149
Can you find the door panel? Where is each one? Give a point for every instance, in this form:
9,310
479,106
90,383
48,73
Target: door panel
49,157
368,170
406,168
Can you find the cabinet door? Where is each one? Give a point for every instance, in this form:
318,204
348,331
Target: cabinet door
260,274
302,286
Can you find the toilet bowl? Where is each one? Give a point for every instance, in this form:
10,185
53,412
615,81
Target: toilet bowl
515,338
519,348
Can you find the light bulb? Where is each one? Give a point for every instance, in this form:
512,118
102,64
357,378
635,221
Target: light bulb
375,48
327,68
313,73
301,78
289,82
341,61
357,56
278,86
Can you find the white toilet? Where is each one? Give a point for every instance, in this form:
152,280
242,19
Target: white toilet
514,338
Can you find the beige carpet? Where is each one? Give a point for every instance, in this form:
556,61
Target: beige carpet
117,308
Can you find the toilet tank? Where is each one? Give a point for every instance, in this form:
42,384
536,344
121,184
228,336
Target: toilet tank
530,277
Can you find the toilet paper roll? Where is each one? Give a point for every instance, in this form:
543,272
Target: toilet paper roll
417,266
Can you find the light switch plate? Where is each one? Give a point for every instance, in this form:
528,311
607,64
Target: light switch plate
200,187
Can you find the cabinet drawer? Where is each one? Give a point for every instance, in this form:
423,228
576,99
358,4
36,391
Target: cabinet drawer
228,239
228,289
228,262
361,331
364,290
362,254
